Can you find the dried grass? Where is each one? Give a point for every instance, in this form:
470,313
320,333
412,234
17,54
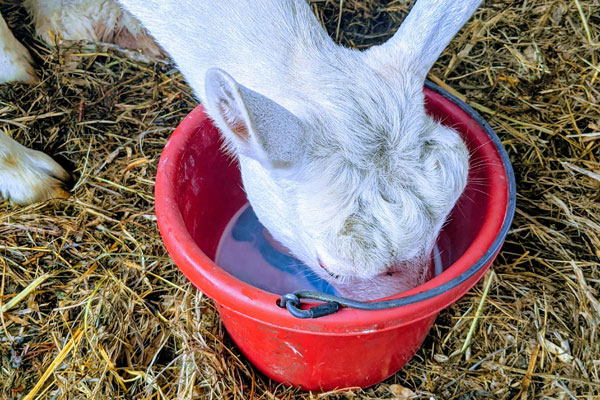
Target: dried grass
108,316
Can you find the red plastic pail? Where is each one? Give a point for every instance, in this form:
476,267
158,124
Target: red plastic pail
198,189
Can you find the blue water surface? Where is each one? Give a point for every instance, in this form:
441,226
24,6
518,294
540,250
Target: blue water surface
248,229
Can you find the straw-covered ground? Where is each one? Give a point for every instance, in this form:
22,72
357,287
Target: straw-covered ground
110,316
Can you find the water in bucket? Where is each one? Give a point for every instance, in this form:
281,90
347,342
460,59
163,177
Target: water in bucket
247,251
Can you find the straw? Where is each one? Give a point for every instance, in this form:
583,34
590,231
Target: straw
530,69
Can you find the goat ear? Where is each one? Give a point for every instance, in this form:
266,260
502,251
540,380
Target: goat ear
425,33
254,125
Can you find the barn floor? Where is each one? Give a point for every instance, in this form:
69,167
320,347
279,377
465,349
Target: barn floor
110,316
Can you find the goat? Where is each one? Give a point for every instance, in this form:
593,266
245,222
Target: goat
338,157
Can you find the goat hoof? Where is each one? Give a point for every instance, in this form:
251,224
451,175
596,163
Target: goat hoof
30,176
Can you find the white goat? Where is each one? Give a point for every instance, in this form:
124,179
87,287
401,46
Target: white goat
338,158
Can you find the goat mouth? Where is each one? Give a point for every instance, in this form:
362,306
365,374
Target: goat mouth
390,272
331,274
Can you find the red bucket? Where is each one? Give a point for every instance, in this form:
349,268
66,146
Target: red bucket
198,190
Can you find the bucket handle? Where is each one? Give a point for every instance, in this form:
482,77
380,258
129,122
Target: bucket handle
332,304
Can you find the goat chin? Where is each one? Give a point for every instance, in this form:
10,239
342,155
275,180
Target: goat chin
403,278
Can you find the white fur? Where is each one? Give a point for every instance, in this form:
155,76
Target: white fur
374,177
27,175
57,21
15,60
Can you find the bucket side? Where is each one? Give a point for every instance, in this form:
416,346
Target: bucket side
324,361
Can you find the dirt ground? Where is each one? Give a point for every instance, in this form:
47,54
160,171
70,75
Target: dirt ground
111,317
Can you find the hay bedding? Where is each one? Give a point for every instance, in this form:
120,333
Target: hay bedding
108,316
